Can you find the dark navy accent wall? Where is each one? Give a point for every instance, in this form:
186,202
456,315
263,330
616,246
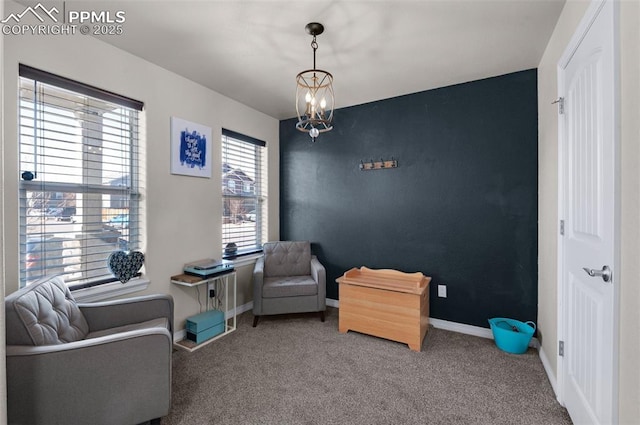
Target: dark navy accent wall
461,207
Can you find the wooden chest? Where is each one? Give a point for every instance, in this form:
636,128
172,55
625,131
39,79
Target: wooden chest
385,303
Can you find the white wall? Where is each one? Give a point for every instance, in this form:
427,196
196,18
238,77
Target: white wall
628,276
183,214
629,385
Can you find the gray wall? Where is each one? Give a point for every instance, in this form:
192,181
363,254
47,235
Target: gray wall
461,207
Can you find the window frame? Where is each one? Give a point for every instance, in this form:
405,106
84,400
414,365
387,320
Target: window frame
259,193
129,192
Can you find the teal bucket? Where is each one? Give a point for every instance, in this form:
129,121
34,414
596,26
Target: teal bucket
512,335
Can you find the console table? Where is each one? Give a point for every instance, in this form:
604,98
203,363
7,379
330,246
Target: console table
219,283
385,303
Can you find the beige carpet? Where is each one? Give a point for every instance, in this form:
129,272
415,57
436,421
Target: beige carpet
297,370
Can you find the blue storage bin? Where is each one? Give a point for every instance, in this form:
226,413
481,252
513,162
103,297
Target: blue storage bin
204,326
510,335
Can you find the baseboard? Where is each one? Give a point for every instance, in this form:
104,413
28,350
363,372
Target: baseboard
333,303
547,368
179,335
244,307
470,330
461,328
453,326
436,323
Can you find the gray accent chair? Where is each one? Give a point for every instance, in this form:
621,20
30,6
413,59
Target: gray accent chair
288,279
96,363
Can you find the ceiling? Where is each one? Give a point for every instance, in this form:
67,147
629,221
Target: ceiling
251,51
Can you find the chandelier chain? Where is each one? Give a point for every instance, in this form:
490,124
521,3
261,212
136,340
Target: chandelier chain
314,46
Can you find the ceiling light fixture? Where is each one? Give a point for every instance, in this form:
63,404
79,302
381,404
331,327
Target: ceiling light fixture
314,94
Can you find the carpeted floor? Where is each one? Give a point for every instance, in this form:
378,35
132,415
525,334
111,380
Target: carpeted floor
297,370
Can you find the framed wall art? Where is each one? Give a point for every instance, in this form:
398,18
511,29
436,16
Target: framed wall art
190,148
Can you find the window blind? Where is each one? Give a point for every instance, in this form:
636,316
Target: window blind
79,178
244,193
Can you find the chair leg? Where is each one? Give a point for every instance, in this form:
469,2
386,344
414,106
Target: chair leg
322,316
255,321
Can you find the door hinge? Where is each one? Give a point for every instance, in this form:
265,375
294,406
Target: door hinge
560,102
561,348
562,227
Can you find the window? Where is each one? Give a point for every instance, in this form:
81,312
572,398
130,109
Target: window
79,178
244,194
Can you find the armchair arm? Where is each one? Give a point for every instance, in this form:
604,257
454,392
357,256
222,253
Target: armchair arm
258,280
96,381
111,314
319,274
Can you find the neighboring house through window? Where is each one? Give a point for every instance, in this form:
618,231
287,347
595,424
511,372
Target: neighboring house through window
79,178
244,193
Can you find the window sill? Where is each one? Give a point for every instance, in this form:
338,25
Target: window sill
110,290
246,259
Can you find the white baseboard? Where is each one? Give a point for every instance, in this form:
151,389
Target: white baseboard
453,326
470,330
436,323
547,368
461,328
179,335
244,307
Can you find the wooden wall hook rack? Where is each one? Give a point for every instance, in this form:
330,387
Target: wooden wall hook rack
378,165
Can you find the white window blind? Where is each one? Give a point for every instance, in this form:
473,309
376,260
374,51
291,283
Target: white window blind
79,178
244,193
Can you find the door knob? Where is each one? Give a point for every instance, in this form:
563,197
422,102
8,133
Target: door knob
605,273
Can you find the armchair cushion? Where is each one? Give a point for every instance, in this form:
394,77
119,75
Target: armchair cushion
287,259
112,314
44,313
161,322
289,286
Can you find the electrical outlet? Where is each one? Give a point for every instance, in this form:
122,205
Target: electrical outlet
212,293
442,291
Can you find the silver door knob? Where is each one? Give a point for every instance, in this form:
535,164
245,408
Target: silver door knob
605,273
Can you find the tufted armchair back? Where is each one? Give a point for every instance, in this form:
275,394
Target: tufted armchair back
287,258
44,313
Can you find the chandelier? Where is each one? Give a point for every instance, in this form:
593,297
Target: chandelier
314,94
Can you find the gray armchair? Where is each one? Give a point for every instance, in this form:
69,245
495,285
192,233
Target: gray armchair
98,363
288,279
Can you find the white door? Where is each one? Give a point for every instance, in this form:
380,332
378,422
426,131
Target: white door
588,284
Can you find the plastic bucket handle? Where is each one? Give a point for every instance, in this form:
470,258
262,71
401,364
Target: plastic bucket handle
530,323
509,326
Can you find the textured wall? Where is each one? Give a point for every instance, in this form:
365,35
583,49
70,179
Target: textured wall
461,207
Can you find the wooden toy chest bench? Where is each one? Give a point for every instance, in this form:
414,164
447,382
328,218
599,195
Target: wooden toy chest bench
385,303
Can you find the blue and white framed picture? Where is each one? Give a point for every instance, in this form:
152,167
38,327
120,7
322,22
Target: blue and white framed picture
190,148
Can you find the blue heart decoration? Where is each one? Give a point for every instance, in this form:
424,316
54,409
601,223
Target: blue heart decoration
125,266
